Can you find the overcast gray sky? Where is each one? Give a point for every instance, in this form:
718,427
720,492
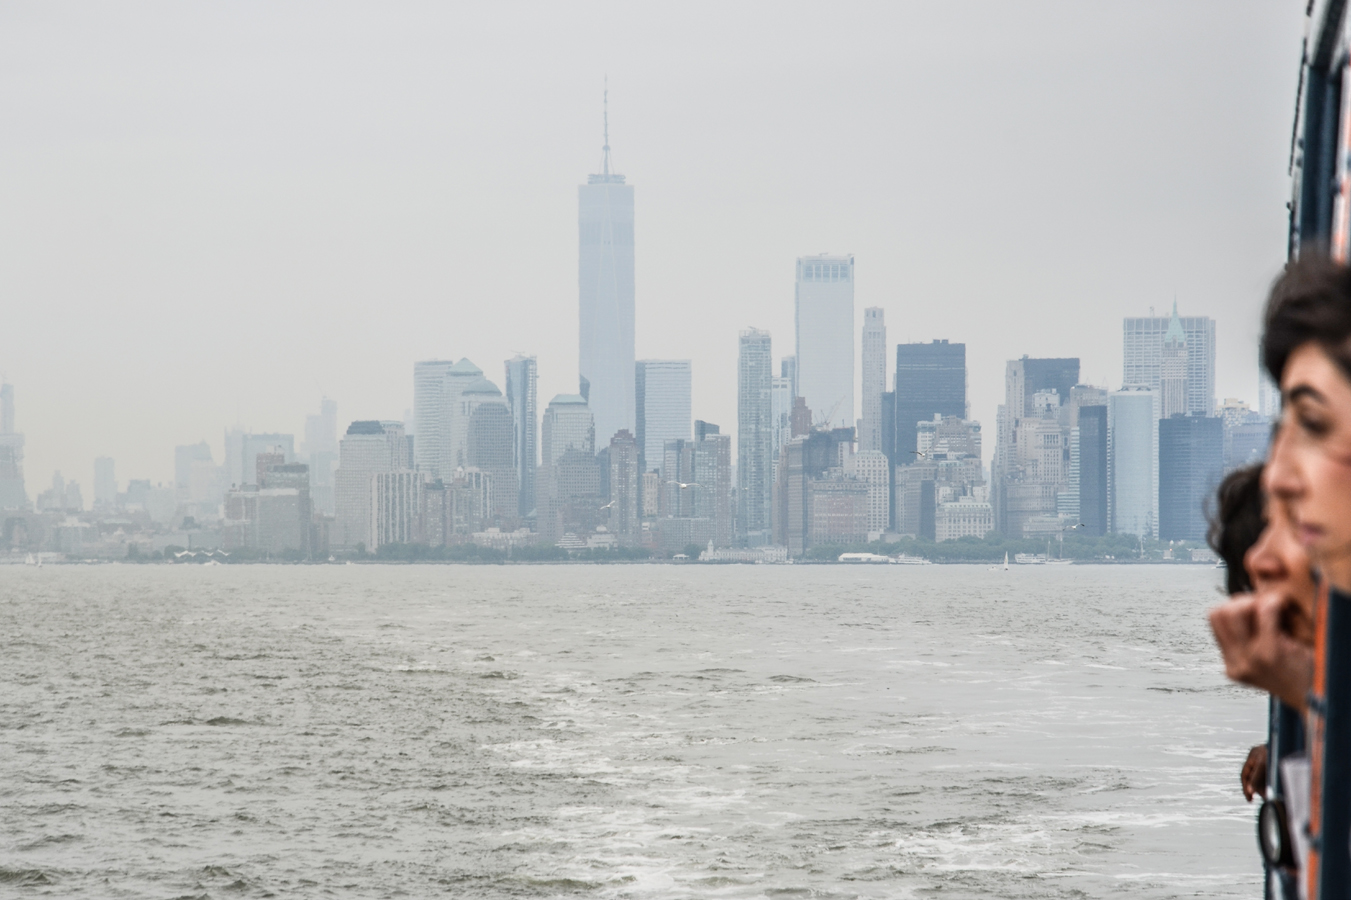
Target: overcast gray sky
213,214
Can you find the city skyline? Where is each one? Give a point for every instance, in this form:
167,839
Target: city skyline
397,224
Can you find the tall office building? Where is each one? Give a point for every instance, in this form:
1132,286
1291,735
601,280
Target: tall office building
1092,466
874,382
1029,491
872,467
567,440
398,508
788,369
321,447
489,448
930,381
1191,464
824,315
455,416
782,412
713,477
105,483
1132,461
663,388
522,375
368,449
1173,400
429,412
605,297
755,435
1142,357
12,492
186,457
625,487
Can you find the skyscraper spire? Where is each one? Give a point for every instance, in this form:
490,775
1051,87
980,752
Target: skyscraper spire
605,106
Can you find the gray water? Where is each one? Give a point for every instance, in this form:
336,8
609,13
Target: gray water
619,731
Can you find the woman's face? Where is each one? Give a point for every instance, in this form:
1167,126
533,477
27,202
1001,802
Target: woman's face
1309,470
1279,564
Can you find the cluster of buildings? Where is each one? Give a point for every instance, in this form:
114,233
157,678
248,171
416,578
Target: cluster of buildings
623,462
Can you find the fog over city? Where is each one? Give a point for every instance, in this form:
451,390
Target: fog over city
216,216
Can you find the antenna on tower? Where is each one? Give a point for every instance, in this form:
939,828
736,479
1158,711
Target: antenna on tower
605,106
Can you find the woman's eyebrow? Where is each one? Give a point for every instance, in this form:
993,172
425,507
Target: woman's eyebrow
1304,391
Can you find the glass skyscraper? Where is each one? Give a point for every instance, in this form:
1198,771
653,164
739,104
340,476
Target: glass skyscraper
1142,357
874,377
522,375
930,381
605,299
755,435
824,315
663,405
1132,461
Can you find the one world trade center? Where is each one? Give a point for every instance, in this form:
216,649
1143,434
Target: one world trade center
605,298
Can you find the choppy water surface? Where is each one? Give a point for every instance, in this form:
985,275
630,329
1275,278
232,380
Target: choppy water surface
621,731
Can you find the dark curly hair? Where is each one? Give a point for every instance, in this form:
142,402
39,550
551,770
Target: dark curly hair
1236,523
1311,301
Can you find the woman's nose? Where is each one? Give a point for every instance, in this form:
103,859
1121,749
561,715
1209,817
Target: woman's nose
1279,475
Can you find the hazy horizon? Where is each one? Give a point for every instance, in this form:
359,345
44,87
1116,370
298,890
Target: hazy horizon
215,216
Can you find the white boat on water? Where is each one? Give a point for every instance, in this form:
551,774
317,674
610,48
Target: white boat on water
904,560
1027,559
29,561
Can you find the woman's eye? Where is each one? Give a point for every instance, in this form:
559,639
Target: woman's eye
1313,424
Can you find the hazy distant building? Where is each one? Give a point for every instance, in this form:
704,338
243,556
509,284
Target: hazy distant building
781,410
625,487
565,485
105,483
489,447
874,469
12,492
713,474
949,472
1092,469
321,448
606,298
1142,357
838,511
965,517
755,435
818,455
398,508
663,388
930,381
677,469
874,380
788,369
1132,461
522,376
429,413
1033,470
460,378
368,449
242,464
1173,399
824,315
185,456
272,514
1246,434
1191,464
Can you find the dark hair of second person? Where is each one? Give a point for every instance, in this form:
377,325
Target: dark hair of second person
1236,523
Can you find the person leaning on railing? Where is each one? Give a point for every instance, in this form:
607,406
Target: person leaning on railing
1268,640
1236,523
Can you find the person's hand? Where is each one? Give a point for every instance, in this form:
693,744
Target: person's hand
1259,651
1254,775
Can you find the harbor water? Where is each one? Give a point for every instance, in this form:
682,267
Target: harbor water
626,731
